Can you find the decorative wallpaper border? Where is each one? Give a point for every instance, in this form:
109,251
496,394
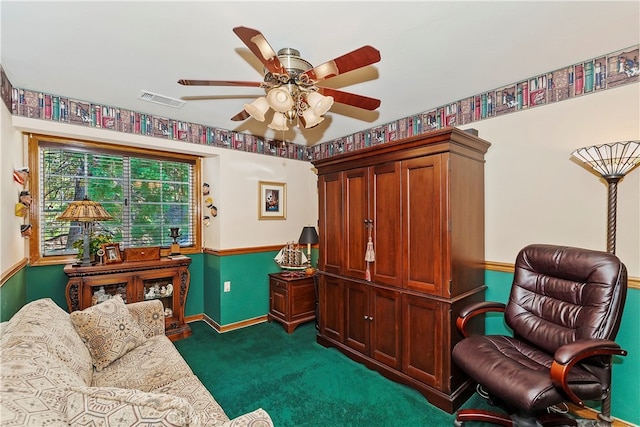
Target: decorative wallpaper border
590,76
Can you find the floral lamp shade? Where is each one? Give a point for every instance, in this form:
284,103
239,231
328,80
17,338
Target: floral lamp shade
84,210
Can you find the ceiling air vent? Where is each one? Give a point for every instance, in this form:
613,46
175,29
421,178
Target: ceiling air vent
160,99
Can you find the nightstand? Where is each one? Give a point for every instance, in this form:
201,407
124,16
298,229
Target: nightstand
292,299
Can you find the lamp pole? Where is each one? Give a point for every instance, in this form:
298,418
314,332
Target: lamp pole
86,243
612,211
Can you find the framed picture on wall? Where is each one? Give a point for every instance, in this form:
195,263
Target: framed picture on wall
272,200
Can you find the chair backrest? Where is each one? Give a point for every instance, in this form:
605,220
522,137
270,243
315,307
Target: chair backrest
561,294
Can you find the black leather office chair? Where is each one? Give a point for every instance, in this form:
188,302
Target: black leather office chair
564,309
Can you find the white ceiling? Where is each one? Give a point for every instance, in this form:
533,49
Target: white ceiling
433,53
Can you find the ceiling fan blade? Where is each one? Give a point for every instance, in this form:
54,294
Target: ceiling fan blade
261,48
359,101
353,60
187,82
242,115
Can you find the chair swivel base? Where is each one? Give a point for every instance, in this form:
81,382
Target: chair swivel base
515,420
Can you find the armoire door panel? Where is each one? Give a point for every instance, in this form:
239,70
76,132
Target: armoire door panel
422,332
386,215
331,306
357,323
422,223
356,212
331,232
386,318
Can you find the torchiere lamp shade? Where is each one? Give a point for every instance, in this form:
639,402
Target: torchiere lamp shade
612,161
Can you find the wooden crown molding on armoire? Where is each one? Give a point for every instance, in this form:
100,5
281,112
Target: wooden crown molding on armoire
414,209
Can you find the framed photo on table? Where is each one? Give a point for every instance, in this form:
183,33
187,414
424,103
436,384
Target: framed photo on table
112,253
272,200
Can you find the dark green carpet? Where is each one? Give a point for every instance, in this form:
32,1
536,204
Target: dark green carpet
299,382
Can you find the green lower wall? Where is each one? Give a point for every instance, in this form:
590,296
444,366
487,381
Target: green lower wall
13,295
211,287
195,300
47,281
249,277
249,298
249,295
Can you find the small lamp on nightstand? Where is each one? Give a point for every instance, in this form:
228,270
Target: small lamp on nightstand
308,237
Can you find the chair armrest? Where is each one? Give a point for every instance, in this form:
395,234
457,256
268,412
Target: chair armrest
149,315
570,354
472,310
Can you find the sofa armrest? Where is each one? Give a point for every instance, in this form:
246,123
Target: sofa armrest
259,417
104,405
149,315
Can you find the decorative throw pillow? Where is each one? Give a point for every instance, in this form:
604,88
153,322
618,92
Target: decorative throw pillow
108,330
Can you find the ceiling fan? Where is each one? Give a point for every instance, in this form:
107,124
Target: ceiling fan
291,83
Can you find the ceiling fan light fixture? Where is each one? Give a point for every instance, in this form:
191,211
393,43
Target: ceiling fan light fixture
291,115
280,100
310,119
293,86
258,108
279,122
319,103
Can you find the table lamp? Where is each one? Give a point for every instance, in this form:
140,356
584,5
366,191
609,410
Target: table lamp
86,212
308,237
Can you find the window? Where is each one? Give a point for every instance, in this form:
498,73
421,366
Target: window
145,192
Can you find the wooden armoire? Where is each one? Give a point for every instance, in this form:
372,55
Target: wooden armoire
421,200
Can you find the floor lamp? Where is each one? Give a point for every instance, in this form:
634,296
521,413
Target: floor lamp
612,161
85,212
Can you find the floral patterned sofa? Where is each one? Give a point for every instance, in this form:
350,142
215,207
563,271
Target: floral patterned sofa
109,365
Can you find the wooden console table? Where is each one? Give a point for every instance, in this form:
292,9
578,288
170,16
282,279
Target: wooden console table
164,279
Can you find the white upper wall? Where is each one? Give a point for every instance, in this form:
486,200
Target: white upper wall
535,193
11,157
233,177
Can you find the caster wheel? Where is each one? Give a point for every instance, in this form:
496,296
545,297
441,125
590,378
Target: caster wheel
458,423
